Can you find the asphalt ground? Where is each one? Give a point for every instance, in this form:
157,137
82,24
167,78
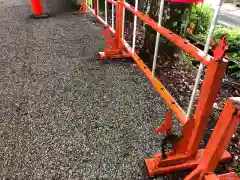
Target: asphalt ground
64,114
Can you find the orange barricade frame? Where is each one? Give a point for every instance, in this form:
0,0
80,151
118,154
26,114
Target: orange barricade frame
186,153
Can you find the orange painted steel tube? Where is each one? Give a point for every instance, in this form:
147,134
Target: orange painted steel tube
177,40
189,48
209,90
172,104
119,24
220,138
169,100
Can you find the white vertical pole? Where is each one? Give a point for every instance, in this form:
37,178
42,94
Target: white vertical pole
112,16
206,49
135,27
106,11
160,16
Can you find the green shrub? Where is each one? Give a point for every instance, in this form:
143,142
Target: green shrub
200,16
232,34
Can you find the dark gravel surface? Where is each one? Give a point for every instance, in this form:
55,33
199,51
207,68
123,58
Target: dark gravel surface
65,114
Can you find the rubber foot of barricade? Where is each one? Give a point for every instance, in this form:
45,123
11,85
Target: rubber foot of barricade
40,16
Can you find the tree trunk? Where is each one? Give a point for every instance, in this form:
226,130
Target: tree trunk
173,18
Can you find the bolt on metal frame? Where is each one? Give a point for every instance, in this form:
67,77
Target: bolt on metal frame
186,153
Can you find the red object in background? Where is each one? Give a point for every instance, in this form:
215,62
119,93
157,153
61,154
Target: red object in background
37,7
187,1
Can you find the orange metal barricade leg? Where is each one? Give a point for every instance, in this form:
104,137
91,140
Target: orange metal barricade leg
186,153
83,8
221,136
117,48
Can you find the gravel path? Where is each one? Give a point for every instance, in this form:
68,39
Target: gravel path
65,114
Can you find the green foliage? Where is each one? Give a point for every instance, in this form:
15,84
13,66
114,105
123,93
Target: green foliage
235,67
200,16
233,36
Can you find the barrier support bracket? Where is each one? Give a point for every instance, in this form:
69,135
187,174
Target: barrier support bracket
186,153
157,166
115,47
221,136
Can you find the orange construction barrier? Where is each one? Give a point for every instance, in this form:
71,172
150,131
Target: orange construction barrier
38,10
185,152
221,136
